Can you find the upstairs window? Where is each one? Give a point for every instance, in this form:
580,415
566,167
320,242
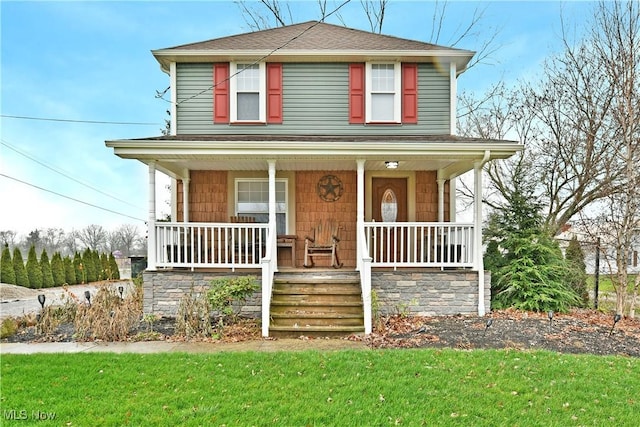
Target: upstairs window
248,93
383,93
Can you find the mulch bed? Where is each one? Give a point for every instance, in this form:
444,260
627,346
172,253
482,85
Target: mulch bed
580,331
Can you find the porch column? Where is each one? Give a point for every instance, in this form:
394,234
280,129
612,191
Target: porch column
151,222
185,196
441,183
272,207
359,211
453,209
477,229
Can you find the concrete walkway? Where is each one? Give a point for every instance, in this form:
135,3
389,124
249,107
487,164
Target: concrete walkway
146,347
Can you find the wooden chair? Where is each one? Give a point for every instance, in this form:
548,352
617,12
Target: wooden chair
322,243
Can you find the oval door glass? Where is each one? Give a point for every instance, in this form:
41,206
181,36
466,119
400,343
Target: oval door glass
389,206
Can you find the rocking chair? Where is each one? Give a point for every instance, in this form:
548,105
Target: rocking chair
322,243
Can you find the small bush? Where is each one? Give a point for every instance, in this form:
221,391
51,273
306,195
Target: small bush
109,317
226,295
194,315
8,328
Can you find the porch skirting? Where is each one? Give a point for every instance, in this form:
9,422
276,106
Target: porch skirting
424,293
432,293
164,289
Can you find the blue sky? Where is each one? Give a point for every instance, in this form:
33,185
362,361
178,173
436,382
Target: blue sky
91,61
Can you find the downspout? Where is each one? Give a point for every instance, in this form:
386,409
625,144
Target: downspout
479,263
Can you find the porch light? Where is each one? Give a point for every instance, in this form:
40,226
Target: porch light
391,164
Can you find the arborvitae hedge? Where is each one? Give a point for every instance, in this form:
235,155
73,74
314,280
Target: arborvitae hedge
45,266
22,279
69,271
81,273
57,270
34,272
113,267
105,270
97,264
7,275
89,266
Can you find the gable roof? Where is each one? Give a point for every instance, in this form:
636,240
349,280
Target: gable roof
310,41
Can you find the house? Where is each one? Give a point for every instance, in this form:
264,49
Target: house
275,132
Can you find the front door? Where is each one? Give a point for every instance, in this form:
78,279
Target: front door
389,204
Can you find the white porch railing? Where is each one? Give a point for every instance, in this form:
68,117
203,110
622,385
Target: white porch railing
214,245
420,244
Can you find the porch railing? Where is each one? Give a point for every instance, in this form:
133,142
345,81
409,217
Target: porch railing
420,244
219,245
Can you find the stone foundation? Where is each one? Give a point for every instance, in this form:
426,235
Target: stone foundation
424,293
432,293
164,289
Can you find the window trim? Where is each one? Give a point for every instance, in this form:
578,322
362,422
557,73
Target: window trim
286,198
233,93
397,87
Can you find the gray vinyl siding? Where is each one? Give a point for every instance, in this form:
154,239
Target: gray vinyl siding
315,101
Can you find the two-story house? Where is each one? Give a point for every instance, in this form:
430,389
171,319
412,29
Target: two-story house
314,127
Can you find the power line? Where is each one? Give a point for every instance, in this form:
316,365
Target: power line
258,60
63,173
70,198
99,122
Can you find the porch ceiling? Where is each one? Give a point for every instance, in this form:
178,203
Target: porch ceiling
450,154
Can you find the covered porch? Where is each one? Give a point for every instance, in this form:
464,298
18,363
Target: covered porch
409,245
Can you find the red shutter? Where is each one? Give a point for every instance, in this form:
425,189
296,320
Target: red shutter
274,93
221,93
409,93
356,93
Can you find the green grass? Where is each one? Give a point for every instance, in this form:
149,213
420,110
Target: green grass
605,284
347,388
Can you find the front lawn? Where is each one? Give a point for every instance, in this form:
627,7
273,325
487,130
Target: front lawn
346,388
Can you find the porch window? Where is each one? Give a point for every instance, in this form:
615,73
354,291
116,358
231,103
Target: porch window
252,199
248,92
383,92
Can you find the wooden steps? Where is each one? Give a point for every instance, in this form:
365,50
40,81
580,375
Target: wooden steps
316,305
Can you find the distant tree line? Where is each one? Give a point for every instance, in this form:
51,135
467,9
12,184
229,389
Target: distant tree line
90,266
126,239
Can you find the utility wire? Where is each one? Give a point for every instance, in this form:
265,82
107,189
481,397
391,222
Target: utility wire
70,198
258,60
63,173
99,122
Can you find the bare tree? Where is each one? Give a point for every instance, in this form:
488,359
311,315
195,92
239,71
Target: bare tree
616,45
127,237
374,11
93,237
8,237
53,240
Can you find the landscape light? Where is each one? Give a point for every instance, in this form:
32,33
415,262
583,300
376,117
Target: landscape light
87,295
550,316
616,319
41,300
489,323
121,290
